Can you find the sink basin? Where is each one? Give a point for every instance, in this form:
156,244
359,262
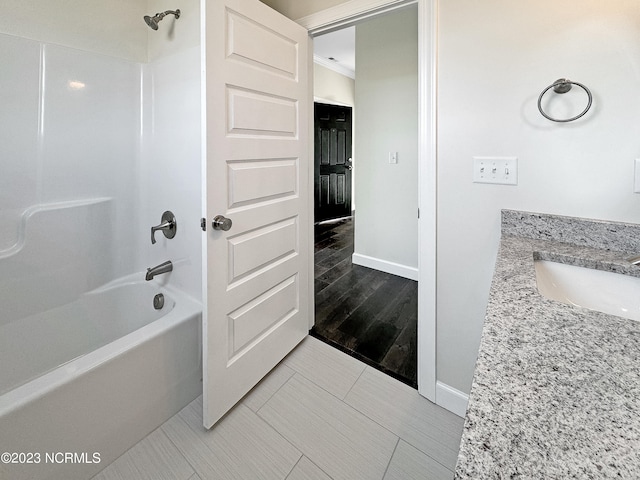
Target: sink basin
605,292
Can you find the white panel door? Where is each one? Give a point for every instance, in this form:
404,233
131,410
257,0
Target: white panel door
257,272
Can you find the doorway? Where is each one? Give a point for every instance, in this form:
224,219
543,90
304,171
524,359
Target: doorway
365,304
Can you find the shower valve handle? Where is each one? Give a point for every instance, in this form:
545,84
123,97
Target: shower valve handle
168,226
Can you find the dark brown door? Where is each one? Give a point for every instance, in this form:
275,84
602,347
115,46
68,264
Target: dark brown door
332,161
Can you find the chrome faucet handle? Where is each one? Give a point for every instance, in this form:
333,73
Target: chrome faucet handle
168,226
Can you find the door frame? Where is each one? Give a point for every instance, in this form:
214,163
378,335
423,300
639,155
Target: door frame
347,14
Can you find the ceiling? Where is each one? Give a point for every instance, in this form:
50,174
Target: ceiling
337,50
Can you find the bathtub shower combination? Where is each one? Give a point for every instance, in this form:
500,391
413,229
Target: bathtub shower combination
95,352
100,322
100,325
94,366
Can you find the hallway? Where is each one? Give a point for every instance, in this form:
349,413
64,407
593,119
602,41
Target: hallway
370,315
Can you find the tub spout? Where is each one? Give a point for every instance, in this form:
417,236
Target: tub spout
165,267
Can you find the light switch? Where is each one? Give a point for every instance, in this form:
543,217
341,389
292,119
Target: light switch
393,157
501,170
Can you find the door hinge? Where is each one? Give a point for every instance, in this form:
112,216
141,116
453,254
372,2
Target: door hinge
203,224
418,213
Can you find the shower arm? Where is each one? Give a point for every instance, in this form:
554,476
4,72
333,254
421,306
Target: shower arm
176,13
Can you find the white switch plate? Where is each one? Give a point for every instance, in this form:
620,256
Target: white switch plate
636,176
393,157
500,170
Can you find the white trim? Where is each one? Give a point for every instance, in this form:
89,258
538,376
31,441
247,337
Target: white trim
348,13
336,67
385,266
310,186
427,191
453,400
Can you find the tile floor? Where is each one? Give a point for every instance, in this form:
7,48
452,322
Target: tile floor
320,414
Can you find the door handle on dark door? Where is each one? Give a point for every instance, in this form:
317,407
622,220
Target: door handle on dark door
221,223
348,165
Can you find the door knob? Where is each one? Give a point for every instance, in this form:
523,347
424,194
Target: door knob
221,223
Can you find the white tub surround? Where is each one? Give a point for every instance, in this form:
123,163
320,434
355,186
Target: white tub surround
556,390
62,250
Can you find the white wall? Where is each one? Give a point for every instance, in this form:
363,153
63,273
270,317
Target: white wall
495,57
171,147
386,227
332,86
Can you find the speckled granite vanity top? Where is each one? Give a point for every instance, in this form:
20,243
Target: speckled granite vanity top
556,389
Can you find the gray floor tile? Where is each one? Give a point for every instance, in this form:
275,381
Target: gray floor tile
153,458
121,469
409,463
239,447
351,439
403,411
341,441
305,469
325,366
262,392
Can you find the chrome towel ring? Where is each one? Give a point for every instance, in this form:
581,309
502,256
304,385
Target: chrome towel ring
563,85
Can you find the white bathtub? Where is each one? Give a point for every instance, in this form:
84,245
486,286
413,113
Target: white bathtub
93,377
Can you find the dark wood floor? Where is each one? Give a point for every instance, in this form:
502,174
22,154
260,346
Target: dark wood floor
366,313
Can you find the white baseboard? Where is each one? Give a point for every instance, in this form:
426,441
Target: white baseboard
453,400
384,266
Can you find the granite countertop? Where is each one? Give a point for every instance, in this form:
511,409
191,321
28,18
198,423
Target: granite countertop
556,389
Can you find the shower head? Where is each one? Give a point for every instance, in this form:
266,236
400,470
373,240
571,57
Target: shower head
153,21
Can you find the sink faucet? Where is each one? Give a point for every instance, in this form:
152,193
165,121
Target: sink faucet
635,260
165,267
